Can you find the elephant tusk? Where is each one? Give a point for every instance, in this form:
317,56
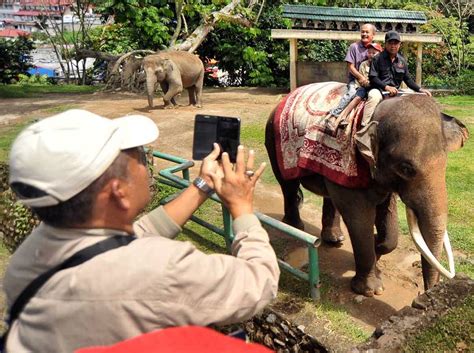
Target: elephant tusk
425,251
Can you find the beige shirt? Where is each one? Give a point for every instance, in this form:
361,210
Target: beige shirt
152,283
364,69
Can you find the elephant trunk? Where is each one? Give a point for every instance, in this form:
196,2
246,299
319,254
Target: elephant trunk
427,218
150,88
436,235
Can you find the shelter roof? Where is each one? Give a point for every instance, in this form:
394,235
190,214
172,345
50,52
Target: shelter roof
353,14
12,33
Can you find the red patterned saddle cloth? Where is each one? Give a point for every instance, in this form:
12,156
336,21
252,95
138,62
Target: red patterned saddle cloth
305,144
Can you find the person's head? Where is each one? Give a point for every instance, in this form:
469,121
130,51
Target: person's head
367,33
372,50
392,43
68,166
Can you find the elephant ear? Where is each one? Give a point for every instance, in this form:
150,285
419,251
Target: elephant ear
455,132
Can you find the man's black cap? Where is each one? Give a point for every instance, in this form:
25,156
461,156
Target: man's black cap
392,35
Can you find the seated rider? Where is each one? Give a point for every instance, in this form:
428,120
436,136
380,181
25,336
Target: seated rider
361,93
356,54
387,71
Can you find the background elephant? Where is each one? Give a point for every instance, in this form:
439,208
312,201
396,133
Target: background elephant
174,70
411,142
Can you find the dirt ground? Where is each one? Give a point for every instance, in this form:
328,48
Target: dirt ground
401,272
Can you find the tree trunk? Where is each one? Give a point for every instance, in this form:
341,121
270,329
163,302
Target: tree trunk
194,40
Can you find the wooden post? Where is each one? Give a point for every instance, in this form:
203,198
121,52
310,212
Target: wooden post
293,60
419,59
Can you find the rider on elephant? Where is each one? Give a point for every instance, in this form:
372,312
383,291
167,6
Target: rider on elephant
356,54
387,71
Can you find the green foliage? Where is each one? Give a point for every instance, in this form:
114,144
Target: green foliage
16,221
14,58
114,39
31,91
322,51
149,22
249,55
34,80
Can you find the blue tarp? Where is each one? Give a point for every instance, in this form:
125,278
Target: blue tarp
41,71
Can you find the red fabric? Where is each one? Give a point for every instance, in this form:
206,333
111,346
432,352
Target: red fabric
305,145
187,339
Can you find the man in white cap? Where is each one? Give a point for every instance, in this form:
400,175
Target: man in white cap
86,178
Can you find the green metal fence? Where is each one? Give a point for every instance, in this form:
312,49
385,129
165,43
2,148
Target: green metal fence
167,176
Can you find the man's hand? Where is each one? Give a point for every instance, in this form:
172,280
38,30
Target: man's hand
236,186
392,91
364,82
425,91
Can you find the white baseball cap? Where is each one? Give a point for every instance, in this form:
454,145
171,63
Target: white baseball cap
63,154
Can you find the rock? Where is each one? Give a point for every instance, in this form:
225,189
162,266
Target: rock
359,299
419,303
301,328
280,343
271,318
285,328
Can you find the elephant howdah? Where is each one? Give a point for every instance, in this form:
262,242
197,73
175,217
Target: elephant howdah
409,143
174,71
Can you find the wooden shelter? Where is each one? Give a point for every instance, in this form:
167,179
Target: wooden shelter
333,23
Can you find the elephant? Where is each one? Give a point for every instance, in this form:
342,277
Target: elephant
174,70
412,139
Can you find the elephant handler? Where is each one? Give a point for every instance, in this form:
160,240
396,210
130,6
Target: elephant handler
86,178
387,72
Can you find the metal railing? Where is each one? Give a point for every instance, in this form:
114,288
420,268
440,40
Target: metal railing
167,176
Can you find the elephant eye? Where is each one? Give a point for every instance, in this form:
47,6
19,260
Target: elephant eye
405,170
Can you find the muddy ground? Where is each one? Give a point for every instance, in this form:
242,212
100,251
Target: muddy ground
401,270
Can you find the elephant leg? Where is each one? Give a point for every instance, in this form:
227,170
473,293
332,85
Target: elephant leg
173,91
292,194
359,216
293,198
198,89
386,222
165,87
192,95
331,223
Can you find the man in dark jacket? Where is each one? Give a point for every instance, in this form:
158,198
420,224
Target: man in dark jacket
387,72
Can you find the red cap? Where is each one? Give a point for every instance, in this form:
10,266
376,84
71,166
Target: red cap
374,45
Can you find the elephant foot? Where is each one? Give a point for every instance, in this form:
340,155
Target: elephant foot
368,286
332,236
294,223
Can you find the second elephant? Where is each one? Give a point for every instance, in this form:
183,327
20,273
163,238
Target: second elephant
174,70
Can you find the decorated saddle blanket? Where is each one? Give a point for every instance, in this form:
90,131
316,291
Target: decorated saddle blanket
308,142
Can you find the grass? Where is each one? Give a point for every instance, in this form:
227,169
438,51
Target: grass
7,135
31,91
452,333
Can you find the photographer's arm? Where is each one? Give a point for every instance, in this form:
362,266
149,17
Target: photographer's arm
182,207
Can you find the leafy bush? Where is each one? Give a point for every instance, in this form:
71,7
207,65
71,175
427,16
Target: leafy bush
14,58
464,83
16,220
33,80
114,39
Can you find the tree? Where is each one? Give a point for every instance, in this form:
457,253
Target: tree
15,58
67,43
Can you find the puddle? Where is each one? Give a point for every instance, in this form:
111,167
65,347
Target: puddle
297,258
